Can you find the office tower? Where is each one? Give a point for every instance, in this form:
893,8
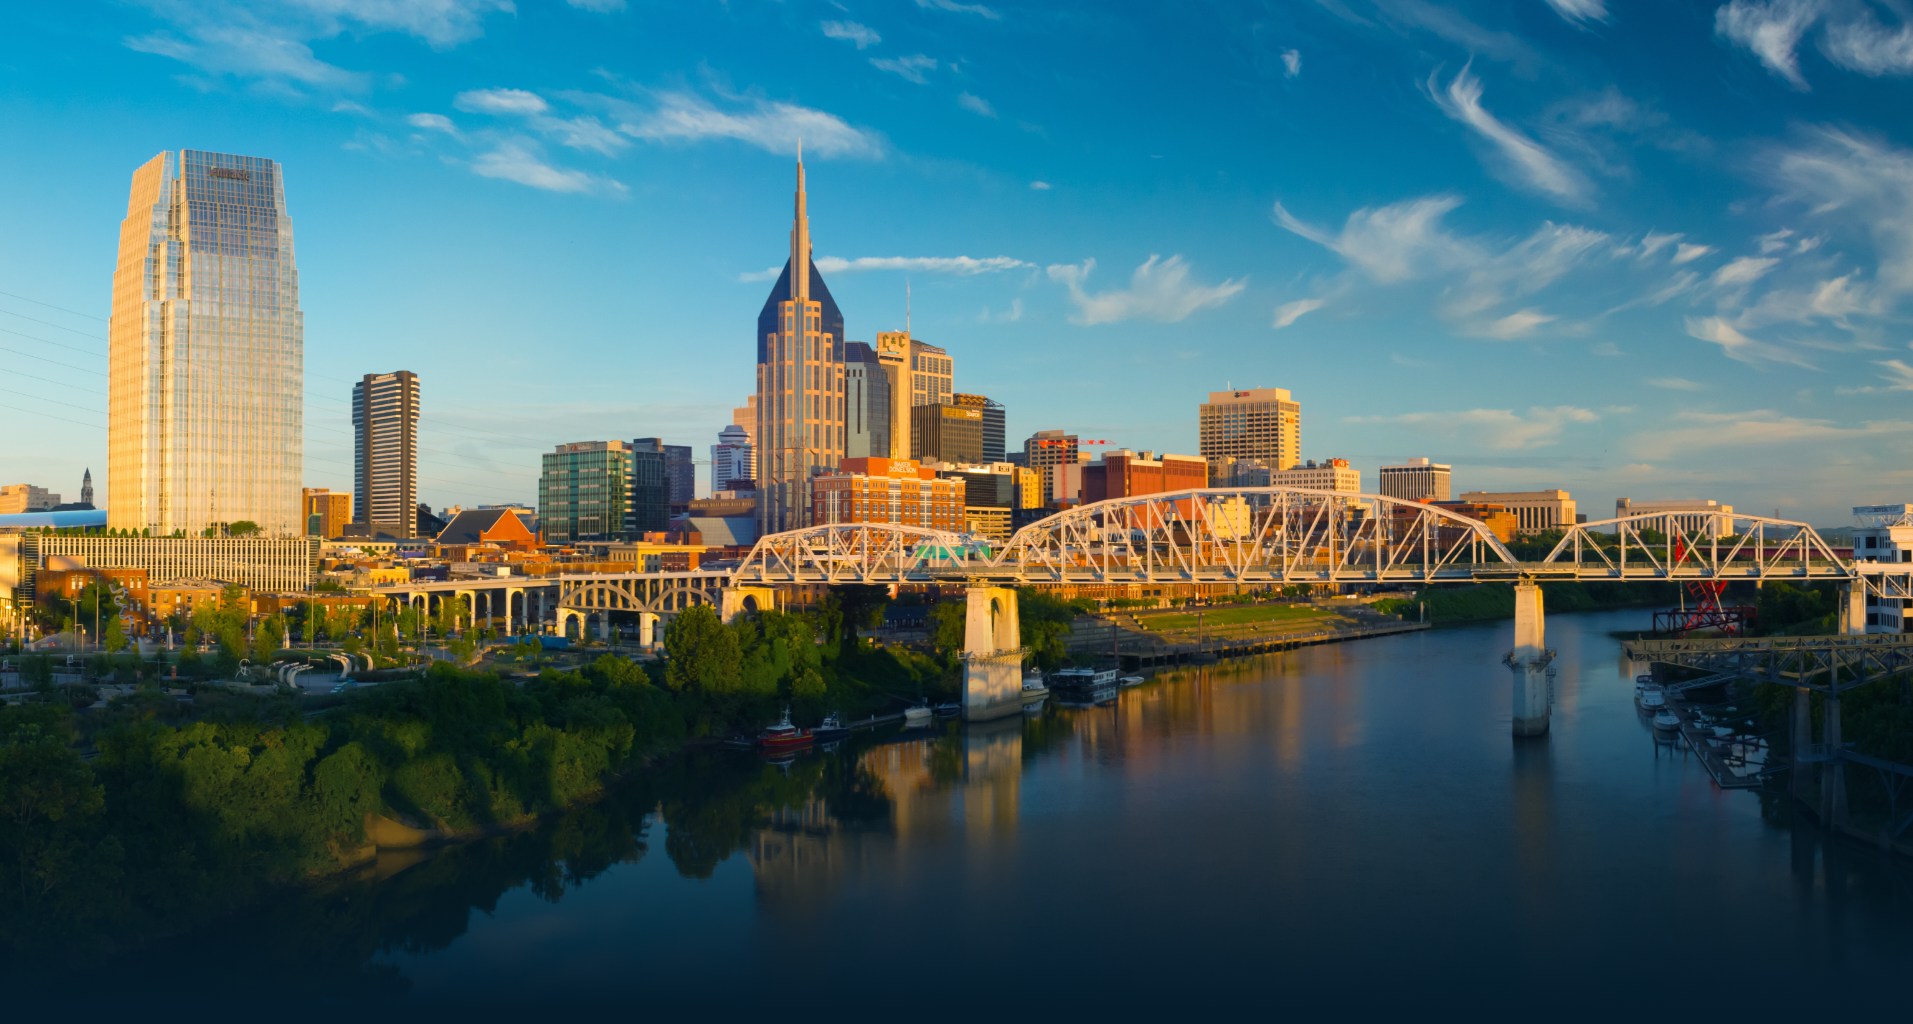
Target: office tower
326,512
17,498
946,433
680,472
583,489
649,507
744,417
1044,452
385,452
866,403
893,357
1414,480
992,423
86,488
1127,474
1262,423
205,350
731,460
800,418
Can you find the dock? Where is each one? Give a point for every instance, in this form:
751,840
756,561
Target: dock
1724,757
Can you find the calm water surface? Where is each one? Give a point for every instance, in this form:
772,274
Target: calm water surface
1341,827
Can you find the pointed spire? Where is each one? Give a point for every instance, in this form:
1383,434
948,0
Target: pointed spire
800,237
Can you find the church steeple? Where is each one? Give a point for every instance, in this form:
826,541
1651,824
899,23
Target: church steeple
800,238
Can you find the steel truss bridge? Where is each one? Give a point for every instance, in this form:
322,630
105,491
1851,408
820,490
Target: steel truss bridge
1263,536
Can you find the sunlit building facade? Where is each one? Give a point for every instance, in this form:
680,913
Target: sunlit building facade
1261,423
385,453
800,370
206,350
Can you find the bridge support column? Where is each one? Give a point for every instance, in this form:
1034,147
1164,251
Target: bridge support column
647,629
1833,776
736,601
992,655
1531,662
1853,607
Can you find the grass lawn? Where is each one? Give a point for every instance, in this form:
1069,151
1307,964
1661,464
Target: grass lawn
1237,615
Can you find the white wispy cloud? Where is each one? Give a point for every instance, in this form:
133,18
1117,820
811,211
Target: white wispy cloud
1865,45
1580,11
1040,186
1743,271
1515,325
1674,384
501,101
960,266
1003,316
910,69
247,52
519,161
432,123
1738,346
1525,161
859,35
598,6
1501,429
1899,376
975,104
1392,243
1866,184
1289,312
1688,252
1652,243
1159,290
768,125
1291,63
958,7
1771,30
1754,428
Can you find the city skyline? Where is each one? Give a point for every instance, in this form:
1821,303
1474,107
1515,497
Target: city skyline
1513,301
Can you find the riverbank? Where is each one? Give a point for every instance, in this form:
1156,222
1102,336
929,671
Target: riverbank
1488,602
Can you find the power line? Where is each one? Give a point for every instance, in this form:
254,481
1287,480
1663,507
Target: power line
50,305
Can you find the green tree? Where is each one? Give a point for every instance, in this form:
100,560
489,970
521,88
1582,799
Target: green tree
702,653
115,637
49,805
242,528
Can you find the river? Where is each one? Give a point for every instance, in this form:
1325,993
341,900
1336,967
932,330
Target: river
1340,827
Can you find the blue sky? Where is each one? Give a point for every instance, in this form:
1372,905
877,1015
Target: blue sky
1628,248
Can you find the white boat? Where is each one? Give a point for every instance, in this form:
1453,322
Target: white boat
1652,701
1034,690
1667,721
1129,681
1084,685
918,714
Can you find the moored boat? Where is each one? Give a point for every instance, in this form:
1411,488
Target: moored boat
1034,689
1083,686
1667,721
1129,681
783,737
832,728
917,714
948,709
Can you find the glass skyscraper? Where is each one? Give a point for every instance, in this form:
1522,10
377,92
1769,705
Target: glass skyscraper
206,350
385,453
800,372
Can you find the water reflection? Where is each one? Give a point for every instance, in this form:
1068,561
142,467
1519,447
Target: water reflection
1306,819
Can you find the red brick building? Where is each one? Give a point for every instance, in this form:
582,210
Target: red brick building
874,490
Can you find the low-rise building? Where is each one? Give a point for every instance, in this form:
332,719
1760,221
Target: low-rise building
874,490
17,498
1884,533
1126,474
1703,516
1534,511
327,512
1327,475
1501,522
1415,480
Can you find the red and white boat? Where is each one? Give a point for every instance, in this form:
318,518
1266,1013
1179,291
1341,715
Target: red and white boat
783,737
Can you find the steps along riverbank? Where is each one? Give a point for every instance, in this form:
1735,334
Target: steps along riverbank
1129,640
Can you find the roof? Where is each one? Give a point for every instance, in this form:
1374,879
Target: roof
470,527
65,519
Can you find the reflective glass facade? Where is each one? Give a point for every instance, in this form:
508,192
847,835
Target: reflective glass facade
584,489
385,409
206,350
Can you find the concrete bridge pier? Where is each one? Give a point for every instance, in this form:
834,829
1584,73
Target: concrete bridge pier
1531,662
735,601
648,629
1853,607
992,655
1833,776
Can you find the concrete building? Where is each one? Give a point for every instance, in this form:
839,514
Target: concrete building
583,490
278,564
888,491
326,512
990,494
731,460
1415,480
866,403
1884,533
1045,451
1261,423
17,498
1534,511
1501,522
1704,516
993,439
205,351
932,373
385,409
946,433
800,386
1327,475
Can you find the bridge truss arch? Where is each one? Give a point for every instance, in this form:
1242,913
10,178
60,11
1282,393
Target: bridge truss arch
1253,535
853,553
1694,545
656,593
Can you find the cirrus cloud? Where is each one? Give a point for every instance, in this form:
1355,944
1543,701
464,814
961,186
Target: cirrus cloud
1159,290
